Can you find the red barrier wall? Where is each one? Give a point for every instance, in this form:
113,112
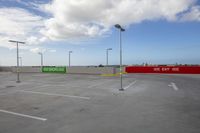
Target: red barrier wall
164,69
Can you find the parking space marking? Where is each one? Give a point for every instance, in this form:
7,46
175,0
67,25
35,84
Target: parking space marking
95,85
38,87
53,94
130,85
173,85
23,115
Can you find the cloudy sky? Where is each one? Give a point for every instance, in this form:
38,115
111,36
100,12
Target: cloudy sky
157,31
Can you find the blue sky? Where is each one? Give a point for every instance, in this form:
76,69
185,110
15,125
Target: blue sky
168,34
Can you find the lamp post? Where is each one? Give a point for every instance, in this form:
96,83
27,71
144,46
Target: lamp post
120,43
41,54
17,42
107,55
20,58
70,58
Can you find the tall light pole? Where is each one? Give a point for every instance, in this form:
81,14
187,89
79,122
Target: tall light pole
41,55
120,43
107,55
20,58
18,71
70,58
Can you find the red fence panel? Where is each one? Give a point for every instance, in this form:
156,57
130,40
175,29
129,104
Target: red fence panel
164,69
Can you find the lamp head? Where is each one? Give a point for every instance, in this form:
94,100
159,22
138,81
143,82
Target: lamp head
119,27
16,41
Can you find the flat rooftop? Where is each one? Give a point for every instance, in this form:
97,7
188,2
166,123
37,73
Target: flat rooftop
64,103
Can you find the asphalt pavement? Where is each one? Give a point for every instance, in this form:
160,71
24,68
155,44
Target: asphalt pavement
62,103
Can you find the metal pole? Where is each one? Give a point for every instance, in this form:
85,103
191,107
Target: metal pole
18,81
107,57
41,59
18,70
107,53
20,61
69,58
120,36
120,41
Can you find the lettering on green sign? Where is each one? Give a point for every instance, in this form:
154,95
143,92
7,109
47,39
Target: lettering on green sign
54,69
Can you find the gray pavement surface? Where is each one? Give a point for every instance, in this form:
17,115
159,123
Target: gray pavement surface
61,103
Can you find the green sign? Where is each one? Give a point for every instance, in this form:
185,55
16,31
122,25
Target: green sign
53,69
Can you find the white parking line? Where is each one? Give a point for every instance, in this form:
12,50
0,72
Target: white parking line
38,87
95,85
173,85
52,94
130,85
23,115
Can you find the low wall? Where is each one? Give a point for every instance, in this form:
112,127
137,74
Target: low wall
164,69
5,69
90,70
113,70
27,69
70,70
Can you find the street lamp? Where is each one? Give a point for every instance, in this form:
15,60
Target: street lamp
17,42
107,55
70,57
20,58
41,54
120,43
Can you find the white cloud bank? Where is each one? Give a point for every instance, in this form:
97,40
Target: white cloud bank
77,19
42,50
86,18
192,15
19,24
37,50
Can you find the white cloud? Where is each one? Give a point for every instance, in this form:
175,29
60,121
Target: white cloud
42,50
52,50
37,50
86,18
36,5
19,24
192,15
74,20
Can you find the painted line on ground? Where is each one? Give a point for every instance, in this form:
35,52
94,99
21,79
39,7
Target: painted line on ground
173,85
95,85
23,115
42,87
53,94
57,85
130,85
38,87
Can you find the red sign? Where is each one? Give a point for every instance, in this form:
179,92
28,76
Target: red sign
164,69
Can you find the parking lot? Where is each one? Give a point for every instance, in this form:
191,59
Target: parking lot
66,103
